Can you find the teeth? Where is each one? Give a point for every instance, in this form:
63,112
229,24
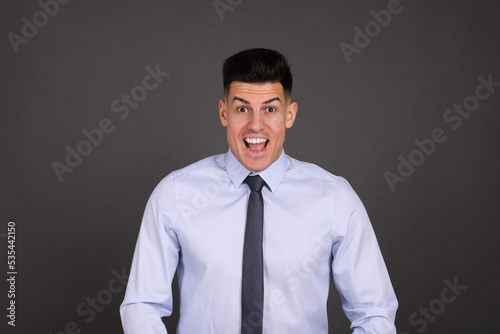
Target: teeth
255,140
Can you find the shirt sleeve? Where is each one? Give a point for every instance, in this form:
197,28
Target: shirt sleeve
149,294
359,271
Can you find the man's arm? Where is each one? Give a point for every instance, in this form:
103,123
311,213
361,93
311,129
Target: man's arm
149,294
359,271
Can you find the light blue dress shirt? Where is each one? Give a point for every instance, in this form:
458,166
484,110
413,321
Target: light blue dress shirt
315,228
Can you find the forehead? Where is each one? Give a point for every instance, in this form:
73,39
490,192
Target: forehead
255,91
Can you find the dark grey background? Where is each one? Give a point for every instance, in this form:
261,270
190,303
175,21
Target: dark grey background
354,120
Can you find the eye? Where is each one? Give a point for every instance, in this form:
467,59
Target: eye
242,109
270,109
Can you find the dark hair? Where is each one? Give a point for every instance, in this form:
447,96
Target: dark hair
257,66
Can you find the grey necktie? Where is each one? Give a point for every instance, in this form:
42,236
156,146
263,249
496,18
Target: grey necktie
253,266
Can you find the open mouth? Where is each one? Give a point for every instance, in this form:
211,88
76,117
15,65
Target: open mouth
256,145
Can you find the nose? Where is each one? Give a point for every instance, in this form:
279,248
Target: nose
256,122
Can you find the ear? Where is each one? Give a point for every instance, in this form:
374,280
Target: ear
222,113
291,113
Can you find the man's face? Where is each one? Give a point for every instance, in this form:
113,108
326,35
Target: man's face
256,117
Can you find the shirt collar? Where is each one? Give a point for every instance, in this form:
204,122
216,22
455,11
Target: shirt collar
272,174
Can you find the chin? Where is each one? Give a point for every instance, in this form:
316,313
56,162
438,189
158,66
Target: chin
255,166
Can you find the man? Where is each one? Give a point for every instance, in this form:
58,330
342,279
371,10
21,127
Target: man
256,236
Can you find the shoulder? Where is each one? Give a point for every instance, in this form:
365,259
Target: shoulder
169,190
214,161
202,167
314,173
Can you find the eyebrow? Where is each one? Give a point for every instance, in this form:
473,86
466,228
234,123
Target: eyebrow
276,98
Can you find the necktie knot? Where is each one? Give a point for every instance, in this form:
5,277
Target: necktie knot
256,183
